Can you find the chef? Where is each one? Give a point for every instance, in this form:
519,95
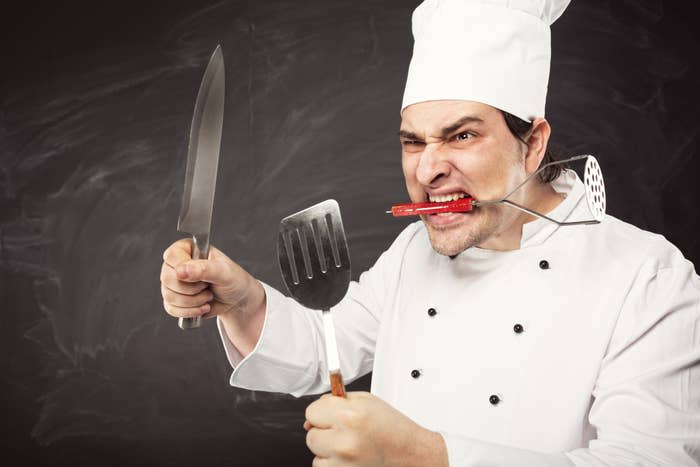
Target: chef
494,337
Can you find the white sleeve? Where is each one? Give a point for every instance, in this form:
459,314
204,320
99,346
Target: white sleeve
468,452
646,406
290,357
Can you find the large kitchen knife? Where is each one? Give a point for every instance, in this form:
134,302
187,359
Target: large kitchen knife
202,164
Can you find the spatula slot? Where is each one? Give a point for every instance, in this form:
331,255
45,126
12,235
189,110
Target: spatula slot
288,262
332,235
302,251
320,239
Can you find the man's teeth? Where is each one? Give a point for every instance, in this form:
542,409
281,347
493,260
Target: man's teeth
445,198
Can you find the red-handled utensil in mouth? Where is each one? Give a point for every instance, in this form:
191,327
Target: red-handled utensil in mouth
416,209
594,192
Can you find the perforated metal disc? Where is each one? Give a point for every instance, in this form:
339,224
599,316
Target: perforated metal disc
595,188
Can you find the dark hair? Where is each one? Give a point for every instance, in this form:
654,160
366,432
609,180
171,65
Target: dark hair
520,128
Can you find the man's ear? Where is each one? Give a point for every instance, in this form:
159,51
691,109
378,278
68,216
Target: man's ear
537,140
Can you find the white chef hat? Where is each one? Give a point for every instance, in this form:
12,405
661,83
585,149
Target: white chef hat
492,51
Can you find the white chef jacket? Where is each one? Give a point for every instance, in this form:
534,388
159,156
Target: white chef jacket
580,348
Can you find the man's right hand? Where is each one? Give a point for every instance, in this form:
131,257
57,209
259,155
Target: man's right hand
213,287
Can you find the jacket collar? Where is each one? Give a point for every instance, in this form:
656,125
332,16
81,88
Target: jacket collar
573,207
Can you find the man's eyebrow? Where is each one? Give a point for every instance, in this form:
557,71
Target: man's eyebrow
409,135
445,131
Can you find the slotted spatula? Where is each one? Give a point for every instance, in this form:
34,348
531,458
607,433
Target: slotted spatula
315,263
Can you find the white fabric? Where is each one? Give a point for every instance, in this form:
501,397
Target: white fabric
606,372
496,52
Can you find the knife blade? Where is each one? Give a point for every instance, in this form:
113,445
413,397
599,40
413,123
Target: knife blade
202,163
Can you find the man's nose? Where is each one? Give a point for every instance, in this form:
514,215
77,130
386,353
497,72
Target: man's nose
432,165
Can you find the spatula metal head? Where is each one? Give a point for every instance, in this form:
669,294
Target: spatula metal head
313,255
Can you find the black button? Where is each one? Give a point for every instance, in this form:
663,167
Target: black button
415,373
544,264
494,399
432,312
518,328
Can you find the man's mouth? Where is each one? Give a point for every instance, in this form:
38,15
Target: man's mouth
447,197
437,204
449,216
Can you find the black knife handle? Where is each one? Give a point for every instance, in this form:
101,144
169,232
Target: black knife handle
200,250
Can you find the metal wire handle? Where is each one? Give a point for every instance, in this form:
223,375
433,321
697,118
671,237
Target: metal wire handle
595,198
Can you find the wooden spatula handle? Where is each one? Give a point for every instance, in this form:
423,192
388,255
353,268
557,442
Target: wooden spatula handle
337,385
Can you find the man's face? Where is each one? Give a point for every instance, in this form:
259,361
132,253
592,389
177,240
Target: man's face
454,148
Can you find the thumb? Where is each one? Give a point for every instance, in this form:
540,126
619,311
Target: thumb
196,270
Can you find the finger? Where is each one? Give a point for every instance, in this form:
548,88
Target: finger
217,308
180,312
322,412
168,277
184,300
195,270
178,252
321,462
355,395
320,442
307,425
216,254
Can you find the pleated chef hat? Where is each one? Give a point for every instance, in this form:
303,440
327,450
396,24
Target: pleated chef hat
496,52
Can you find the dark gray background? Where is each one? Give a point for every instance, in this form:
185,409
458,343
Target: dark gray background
95,105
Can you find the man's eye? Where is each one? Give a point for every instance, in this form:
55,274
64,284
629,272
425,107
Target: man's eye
412,144
461,140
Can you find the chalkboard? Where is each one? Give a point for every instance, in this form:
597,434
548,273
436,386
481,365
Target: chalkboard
96,100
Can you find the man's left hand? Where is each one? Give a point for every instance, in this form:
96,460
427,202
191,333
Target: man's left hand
362,431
